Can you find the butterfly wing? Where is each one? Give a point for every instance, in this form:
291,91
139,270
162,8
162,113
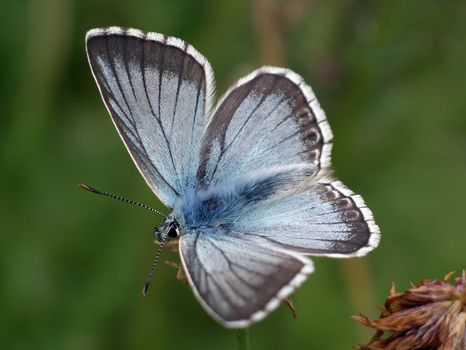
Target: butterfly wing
157,90
326,219
237,279
269,118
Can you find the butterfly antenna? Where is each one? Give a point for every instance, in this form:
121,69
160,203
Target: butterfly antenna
93,190
150,276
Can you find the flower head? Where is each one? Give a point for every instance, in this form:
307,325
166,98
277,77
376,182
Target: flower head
430,315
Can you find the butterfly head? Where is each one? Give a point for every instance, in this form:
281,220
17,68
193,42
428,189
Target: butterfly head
168,231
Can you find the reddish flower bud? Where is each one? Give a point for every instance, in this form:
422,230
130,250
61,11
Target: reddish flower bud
430,315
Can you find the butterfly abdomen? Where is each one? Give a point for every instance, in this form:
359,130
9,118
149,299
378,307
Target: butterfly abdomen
222,204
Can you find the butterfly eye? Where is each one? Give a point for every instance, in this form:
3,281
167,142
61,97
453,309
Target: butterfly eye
173,233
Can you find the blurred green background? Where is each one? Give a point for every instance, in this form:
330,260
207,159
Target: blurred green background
391,77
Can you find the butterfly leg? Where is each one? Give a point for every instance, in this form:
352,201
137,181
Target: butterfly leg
290,305
180,274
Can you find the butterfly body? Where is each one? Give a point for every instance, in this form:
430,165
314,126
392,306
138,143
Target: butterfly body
223,204
249,182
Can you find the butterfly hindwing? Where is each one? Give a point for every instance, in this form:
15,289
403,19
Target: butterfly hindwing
269,118
326,219
157,90
239,280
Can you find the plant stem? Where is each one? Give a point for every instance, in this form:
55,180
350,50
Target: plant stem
242,336
360,288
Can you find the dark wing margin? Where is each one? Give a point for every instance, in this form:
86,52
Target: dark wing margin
271,117
239,280
158,91
363,232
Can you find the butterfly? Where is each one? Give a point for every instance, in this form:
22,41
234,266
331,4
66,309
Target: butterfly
248,182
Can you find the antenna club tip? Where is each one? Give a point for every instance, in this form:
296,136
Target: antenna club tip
144,290
88,188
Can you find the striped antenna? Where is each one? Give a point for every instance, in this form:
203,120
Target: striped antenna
150,276
93,190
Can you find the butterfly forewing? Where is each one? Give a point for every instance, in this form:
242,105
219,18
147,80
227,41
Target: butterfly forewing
270,118
157,90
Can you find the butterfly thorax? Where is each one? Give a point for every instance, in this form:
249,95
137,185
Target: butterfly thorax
207,210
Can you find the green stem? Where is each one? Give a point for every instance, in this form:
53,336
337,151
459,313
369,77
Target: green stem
242,336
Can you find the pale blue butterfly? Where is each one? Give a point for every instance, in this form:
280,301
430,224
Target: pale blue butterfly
249,182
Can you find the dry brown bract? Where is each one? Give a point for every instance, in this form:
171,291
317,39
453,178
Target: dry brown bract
430,315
